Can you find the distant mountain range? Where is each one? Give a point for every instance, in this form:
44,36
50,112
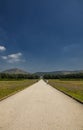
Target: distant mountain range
19,71
59,72
15,71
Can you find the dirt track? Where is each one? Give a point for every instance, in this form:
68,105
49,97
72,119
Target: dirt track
40,107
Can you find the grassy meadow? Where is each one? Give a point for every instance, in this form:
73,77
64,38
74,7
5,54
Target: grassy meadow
9,87
72,88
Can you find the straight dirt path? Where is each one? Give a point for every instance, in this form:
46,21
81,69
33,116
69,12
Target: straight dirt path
40,107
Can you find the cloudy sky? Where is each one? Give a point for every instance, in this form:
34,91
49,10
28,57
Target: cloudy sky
41,35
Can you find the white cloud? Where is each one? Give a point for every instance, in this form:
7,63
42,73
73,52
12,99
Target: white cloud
12,58
15,56
4,57
2,48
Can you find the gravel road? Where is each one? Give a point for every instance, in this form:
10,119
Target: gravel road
40,107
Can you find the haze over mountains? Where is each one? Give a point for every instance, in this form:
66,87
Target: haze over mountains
20,71
59,72
15,71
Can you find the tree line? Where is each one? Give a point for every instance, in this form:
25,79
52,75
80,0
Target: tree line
63,76
7,76
4,76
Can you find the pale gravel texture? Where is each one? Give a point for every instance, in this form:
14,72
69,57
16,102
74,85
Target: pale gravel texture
40,107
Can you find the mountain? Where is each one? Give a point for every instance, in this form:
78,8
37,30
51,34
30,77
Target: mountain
15,71
59,72
19,71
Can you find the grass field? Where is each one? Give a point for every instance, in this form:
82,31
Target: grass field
72,88
10,87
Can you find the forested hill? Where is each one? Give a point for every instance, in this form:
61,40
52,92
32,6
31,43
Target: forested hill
58,72
15,71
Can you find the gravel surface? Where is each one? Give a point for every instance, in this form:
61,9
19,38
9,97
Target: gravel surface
40,107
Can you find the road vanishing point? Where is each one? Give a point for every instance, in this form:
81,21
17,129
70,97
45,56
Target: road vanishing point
40,107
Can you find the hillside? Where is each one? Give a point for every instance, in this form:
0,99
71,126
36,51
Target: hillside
15,71
59,72
20,71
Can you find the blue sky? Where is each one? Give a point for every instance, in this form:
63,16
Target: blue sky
41,35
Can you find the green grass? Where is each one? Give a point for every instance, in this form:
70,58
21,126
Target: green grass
10,87
72,88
